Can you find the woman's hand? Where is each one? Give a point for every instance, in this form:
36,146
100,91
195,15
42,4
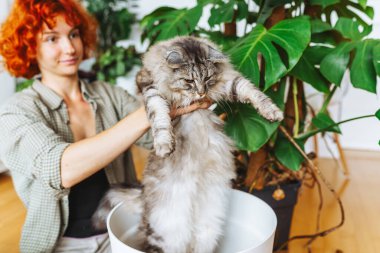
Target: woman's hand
203,104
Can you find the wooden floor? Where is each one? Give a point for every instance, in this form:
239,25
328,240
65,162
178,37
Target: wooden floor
360,195
359,192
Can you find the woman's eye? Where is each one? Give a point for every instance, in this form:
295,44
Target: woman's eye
74,35
51,39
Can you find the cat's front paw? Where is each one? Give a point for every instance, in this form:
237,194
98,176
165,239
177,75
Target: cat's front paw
164,146
273,114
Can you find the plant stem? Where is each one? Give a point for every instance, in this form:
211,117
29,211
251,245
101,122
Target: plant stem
328,99
296,111
317,172
313,132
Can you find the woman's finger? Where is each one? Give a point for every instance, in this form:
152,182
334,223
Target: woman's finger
198,105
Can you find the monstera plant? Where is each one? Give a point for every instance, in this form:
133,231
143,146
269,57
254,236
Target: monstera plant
282,46
283,43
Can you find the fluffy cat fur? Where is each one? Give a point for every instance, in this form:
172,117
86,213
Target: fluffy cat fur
188,175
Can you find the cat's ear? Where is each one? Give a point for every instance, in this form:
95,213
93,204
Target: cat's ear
216,56
174,59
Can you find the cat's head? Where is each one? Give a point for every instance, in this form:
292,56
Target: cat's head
195,66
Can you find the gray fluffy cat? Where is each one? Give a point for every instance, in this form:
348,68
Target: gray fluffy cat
188,175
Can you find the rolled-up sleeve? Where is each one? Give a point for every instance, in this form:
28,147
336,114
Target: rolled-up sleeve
29,146
128,104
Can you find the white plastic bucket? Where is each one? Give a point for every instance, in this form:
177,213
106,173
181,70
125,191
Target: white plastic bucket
249,228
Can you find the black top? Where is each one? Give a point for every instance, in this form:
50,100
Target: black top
83,201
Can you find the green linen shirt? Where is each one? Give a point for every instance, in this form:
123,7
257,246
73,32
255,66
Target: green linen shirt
34,132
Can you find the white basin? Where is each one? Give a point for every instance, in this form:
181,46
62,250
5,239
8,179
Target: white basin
250,227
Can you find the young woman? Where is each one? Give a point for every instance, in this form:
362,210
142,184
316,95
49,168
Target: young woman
64,140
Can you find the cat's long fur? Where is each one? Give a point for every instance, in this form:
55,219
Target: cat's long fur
187,178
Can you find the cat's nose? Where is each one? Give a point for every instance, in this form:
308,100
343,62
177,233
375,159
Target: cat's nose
202,95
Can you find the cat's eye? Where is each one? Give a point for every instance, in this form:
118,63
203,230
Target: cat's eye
207,78
188,80
188,87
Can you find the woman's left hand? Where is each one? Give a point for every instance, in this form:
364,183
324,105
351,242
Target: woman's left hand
203,104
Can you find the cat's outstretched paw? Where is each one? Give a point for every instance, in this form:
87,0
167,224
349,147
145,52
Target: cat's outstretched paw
273,114
164,146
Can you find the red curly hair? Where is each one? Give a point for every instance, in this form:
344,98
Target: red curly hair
18,34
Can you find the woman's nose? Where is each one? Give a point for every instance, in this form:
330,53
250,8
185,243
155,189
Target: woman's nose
68,47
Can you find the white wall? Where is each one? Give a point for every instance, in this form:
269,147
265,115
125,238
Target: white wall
364,134
348,103
7,83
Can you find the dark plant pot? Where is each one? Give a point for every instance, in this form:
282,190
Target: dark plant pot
283,208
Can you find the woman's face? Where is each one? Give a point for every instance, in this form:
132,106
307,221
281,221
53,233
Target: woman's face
59,50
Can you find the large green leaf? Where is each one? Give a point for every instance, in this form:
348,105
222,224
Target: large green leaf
376,58
267,8
242,10
165,23
363,3
351,29
287,154
318,26
292,35
246,127
363,73
324,3
249,130
335,64
323,120
223,42
223,12
351,10
307,71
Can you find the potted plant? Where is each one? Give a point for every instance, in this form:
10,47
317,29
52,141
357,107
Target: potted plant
115,24
283,47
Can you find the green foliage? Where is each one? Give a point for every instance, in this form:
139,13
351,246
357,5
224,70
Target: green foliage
114,20
350,29
316,50
165,23
243,120
24,84
266,42
324,3
115,62
287,154
376,59
324,121
306,68
334,64
378,114
223,12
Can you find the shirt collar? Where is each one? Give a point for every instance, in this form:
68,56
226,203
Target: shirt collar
47,95
53,100
86,92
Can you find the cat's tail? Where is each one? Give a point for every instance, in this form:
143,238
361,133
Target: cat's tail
130,196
